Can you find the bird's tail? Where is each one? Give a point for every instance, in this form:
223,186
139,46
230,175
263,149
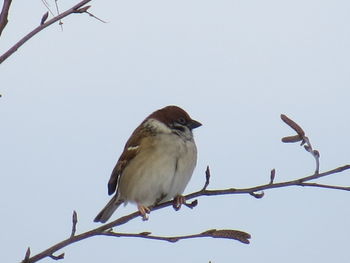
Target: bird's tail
108,210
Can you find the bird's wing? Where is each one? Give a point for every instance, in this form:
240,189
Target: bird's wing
132,147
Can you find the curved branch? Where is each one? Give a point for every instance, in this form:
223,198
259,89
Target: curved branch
256,191
106,228
78,8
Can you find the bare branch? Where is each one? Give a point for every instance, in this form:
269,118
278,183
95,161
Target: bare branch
226,233
256,191
14,48
296,182
106,228
4,14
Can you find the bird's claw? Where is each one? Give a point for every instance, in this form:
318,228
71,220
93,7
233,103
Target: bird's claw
144,210
178,201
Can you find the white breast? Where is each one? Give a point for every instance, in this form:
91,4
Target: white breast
160,170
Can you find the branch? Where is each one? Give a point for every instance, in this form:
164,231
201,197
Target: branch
224,233
78,8
256,191
4,14
253,190
106,228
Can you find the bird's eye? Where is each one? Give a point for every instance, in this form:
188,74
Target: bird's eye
181,121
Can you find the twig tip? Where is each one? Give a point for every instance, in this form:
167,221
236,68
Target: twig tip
27,255
44,18
74,223
272,175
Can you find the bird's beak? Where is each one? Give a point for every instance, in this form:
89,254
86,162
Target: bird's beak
194,124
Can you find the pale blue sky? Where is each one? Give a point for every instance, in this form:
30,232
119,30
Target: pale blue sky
72,98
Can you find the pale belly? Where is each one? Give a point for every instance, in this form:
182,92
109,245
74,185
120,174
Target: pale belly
159,173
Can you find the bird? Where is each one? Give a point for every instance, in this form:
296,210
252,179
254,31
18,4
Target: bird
156,164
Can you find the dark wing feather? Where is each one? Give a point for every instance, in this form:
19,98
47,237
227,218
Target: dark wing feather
131,148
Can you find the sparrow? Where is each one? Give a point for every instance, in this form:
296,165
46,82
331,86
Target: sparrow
156,165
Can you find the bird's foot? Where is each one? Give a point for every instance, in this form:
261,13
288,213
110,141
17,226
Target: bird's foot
178,201
144,210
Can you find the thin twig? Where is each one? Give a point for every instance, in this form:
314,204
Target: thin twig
58,12
4,14
92,15
14,48
345,188
46,4
314,153
301,137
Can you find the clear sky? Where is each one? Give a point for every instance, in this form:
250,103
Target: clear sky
71,99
